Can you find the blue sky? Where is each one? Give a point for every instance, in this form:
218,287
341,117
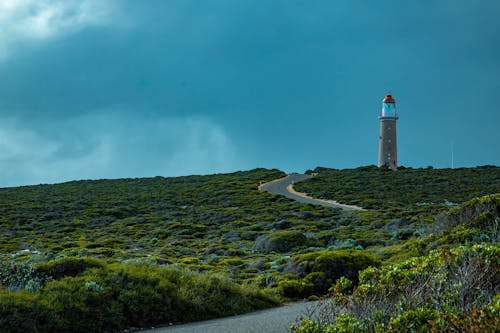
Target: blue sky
109,89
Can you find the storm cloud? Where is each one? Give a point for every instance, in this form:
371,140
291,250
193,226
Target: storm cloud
112,145
107,89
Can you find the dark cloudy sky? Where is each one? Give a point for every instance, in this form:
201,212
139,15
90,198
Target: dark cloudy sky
110,89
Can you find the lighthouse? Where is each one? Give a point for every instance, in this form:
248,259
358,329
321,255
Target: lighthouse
387,151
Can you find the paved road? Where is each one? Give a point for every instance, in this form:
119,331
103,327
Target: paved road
284,186
275,320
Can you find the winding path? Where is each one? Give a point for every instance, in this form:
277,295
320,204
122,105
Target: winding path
275,320
284,186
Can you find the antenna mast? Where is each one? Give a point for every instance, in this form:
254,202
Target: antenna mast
452,156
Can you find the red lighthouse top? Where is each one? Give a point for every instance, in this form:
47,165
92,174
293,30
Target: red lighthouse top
389,99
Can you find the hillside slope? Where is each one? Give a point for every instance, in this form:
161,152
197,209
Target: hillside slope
375,188
215,244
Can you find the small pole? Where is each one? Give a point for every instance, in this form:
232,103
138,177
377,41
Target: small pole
452,156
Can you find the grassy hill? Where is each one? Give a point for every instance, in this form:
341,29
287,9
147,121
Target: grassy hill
138,247
408,188
198,221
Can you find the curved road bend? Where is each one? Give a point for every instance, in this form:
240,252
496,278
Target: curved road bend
274,320
284,186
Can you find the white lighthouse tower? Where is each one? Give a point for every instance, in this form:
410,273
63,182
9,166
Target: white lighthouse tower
387,152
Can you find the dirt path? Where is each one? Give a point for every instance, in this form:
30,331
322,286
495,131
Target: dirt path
284,186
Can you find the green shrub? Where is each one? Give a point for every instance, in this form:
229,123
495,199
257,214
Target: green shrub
189,261
291,286
217,296
232,262
318,282
481,211
19,275
281,242
280,225
75,308
334,264
102,297
341,244
67,266
476,220
145,294
486,320
20,312
448,290
413,321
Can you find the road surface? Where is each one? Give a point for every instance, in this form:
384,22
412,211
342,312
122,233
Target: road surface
284,186
275,320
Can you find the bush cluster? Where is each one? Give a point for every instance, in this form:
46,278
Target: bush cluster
89,295
314,273
436,291
18,275
453,288
281,242
201,222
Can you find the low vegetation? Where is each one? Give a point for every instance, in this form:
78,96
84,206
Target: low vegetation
454,288
316,272
77,294
103,255
376,188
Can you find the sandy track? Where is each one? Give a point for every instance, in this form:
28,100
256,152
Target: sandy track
284,186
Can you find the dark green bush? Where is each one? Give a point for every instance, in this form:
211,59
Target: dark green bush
68,266
74,307
319,282
294,288
477,220
21,312
334,264
482,212
104,297
281,242
320,269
